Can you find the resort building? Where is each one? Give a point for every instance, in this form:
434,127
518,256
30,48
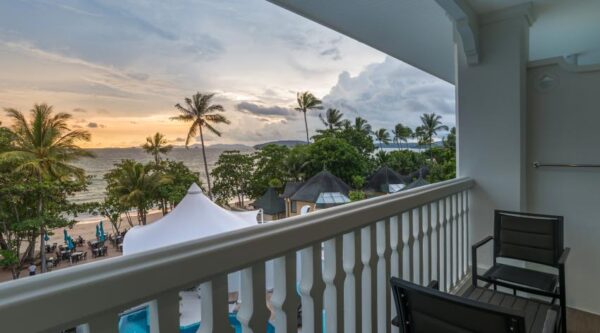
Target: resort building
385,181
321,191
417,183
273,206
527,80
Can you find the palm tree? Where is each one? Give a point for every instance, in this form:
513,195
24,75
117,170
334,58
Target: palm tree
346,124
156,145
431,124
45,147
306,102
202,114
401,133
135,186
361,124
383,136
332,119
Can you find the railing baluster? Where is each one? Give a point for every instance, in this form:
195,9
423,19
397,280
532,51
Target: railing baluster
167,312
438,237
461,235
421,247
215,308
312,287
429,221
333,275
107,322
451,241
285,299
446,243
456,241
396,254
384,252
411,247
253,313
369,280
467,239
353,267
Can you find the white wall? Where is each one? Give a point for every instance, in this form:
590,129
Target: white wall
563,126
491,124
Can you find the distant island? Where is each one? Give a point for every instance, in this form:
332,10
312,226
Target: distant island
223,146
287,143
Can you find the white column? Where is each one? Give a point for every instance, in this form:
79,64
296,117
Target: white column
491,103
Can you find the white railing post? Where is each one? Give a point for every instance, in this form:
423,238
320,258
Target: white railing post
446,245
215,308
438,237
429,234
396,246
107,322
253,314
411,246
467,235
369,279
285,299
353,267
166,311
384,252
333,275
311,289
420,235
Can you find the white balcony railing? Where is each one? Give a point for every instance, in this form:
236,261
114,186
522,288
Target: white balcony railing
421,234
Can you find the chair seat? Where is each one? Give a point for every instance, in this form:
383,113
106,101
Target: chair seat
539,316
523,276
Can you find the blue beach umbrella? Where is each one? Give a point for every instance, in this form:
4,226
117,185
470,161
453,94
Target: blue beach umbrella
66,236
101,231
46,238
70,243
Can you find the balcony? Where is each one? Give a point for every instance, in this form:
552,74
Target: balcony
347,254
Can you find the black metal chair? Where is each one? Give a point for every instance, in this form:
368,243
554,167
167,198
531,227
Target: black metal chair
426,310
531,238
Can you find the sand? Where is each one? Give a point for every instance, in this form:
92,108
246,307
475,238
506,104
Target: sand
86,229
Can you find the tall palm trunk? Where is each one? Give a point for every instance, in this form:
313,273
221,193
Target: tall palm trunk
306,126
42,232
206,164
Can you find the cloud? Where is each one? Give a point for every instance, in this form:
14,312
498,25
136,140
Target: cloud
79,110
179,140
203,47
333,52
391,92
256,109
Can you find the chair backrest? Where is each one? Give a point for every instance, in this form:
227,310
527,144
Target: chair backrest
425,310
529,237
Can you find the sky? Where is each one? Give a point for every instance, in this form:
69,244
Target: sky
120,67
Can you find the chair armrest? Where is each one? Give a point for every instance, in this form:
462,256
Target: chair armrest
563,257
482,242
434,284
474,248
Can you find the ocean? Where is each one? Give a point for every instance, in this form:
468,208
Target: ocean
106,158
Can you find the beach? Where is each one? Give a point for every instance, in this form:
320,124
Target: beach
86,228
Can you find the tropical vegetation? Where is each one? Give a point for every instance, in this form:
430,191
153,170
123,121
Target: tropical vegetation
38,176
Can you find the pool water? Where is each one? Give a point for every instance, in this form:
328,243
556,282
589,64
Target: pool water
136,321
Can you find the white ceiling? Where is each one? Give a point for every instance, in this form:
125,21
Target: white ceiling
419,32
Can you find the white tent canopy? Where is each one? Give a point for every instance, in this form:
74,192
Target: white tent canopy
195,217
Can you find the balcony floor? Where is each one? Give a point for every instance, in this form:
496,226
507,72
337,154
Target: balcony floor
578,321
